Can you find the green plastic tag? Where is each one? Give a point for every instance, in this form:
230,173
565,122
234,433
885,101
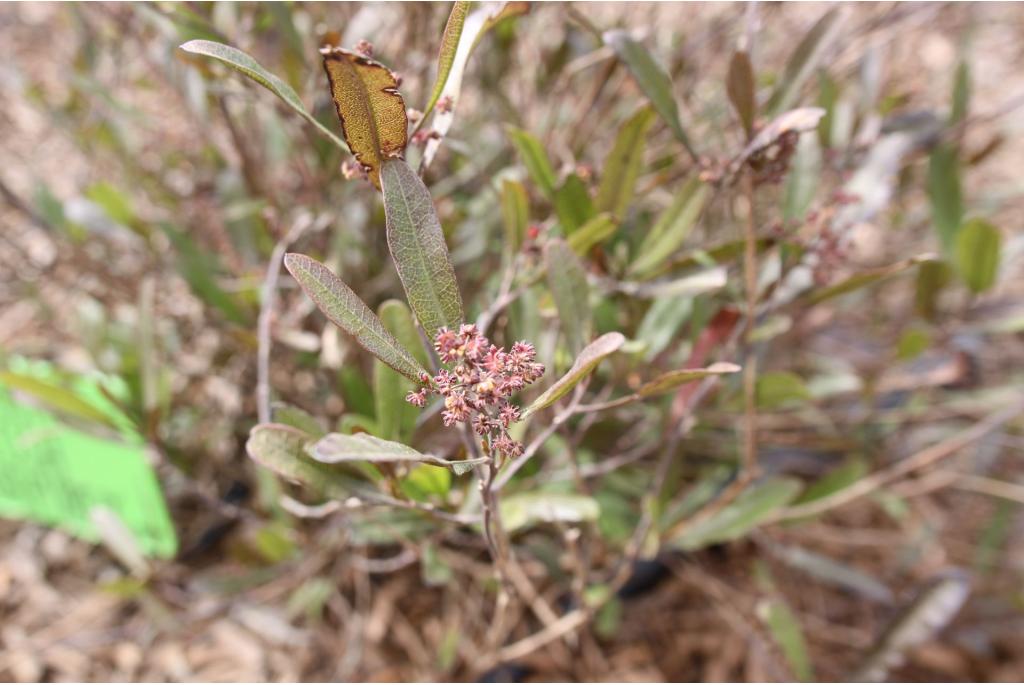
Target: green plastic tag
56,475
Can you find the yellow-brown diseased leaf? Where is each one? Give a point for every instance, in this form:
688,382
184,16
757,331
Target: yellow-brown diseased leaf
371,109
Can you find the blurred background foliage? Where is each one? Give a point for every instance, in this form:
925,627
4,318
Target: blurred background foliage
145,188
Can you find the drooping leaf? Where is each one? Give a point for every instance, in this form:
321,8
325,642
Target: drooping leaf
865,278
372,111
977,254
515,213
592,233
396,418
945,194
587,360
418,247
741,87
673,379
736,519
338,448
446,55
622,166
803,62
523,510
475,26
785,630
653,80
567,280
573,204
282,449
536,160
344,308
672,227
242,62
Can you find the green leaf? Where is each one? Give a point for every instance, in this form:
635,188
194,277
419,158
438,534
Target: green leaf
573,204
240,61
652,79
741,87
297,418
673,379
803,62
780,388
622,166
932,278
567,280
282,449
527,509
661,322
672,227
802,182
419,249
835,480
587,360
945,194
977,254
515,214
425,481
396,418
339,448
344,308
446,55
786,632
961,93
536,160
592,233
865,278
55,396
741,516
199,268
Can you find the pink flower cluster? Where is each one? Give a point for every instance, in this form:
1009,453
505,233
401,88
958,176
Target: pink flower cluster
482,379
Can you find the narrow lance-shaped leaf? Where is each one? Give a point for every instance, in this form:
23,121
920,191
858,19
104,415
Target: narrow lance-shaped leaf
396,418
243,63
344,308
282,449
475,26
587,360
803,61
977,254
673,379
803,179
419,249
787,633
865,278
567,280
622,166
740,86
515,214
592,233
745,513
446,55
945,194
372,111
338,448
652,79
536,160
672,227
573,204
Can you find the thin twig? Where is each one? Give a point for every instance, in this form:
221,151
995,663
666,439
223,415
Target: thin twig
267,296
